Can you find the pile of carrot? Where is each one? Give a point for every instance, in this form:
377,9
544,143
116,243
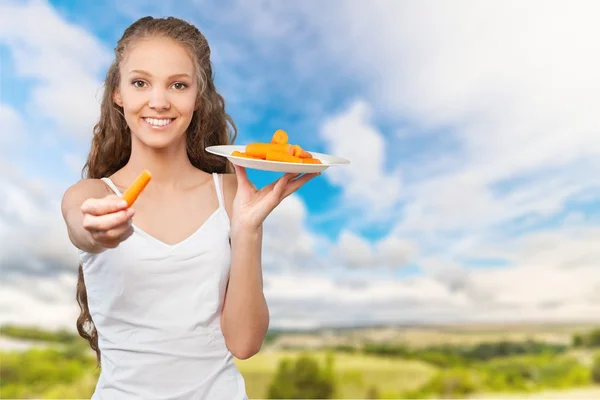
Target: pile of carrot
279,149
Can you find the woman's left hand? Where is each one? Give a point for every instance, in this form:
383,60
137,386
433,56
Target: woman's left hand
252,206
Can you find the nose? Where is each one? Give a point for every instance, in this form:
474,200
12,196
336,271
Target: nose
159,100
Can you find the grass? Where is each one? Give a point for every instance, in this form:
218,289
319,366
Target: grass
356,374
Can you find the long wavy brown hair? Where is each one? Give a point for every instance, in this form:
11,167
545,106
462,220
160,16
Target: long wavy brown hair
111,142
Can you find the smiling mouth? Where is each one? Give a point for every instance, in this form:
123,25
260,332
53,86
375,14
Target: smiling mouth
159,122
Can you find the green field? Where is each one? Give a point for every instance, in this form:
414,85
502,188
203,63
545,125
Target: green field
356,374
445,362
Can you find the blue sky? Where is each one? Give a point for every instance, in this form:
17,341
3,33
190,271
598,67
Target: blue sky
474,140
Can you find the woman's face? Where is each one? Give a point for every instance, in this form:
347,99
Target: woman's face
157,90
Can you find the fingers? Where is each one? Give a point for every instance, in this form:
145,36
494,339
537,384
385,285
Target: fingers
292,186
271,186
286,185
108,204
111,238
280,184
113,233
108,221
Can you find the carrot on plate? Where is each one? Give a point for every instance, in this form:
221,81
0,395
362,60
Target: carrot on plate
134,190
311,161
260,150
240,154
280,137
274,155
300,152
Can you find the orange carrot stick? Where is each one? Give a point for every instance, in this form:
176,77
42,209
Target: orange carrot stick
280,137
240,154
259,150
311,161
300,152
274,155
134,190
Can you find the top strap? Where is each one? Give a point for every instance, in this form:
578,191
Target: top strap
218,185
112,186
218,178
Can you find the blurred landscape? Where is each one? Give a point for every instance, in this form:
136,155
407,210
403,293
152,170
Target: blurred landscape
386,362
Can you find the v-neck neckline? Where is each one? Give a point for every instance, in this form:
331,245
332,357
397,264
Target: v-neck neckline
173,246
145,234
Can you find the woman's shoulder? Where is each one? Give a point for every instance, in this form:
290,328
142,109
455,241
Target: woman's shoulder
89,185
86,188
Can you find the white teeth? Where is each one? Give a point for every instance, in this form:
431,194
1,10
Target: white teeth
158,122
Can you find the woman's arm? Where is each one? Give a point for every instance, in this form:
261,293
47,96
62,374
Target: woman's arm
245,318
245,315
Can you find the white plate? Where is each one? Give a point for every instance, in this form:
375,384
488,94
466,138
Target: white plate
277,166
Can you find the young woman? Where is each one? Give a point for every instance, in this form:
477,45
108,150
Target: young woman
170,289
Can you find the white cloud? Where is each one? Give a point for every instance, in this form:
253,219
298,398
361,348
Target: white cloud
64,59
547,281
38,261
41,301
567,247
488,295
503,62
365,181
355,251
287,241
463,200
13,131
394,251
33,236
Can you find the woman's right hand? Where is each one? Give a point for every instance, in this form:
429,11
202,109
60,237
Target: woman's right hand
108,220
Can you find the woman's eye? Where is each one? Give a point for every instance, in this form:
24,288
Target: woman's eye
179,86
138,84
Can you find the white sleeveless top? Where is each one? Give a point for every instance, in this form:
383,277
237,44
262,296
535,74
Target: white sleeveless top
157,311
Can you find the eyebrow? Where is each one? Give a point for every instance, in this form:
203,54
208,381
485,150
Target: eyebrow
137,71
